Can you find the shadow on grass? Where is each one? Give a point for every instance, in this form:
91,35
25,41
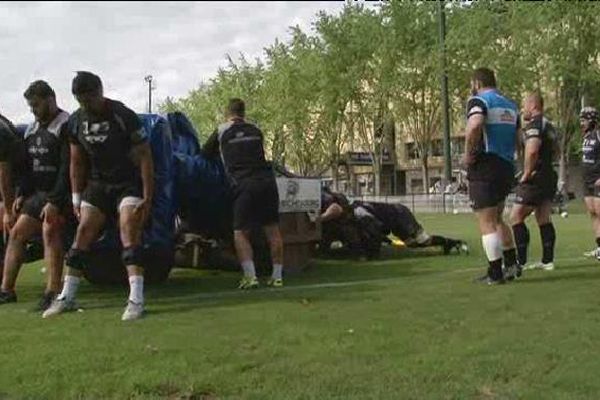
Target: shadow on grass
304,297
195,289
387,253
219,287
537,277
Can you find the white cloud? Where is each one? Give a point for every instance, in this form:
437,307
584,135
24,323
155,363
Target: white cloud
179,43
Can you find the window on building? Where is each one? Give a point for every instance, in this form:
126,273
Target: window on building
416,186
412,153
437,148
457,146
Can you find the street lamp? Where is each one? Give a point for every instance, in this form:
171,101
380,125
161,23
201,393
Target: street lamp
445,106
148,79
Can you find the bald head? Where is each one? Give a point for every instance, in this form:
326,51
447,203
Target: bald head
533,105
536,101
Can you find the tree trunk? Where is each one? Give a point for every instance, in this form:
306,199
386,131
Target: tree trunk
352,178
425,171
376,157
377,175
563,160
334,176
279,147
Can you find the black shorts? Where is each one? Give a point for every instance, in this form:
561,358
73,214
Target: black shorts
403,223
35,203
109,198
537,191
255,203
591,190
490,181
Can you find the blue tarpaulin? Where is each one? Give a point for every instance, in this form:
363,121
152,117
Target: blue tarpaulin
201,188
185,137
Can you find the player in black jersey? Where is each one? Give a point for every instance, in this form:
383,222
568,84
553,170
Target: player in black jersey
43,195
11,162
397,219
337,222
588,119
537,185
255,197
112,176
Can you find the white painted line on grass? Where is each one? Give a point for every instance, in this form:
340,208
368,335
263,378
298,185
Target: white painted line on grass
333,285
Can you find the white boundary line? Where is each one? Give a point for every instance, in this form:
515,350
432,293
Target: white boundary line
333,285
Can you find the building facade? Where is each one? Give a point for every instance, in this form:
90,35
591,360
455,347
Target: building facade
401,166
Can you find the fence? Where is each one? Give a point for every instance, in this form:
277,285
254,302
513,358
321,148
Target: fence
430,203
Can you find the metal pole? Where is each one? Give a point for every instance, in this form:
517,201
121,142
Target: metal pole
380,160
444,201
445,105
148,79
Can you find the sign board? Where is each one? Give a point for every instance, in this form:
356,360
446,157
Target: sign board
299,194
364,158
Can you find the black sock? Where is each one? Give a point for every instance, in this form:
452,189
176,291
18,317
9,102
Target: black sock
495,269
521,234
597,242
548,235
510,257
438,240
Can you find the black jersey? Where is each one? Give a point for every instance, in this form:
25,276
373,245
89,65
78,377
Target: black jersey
590,152
47,159
12,149
540,128
241,147
396,218
107,140
328,198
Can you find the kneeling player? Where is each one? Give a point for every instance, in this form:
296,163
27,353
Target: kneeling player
108,137
537,186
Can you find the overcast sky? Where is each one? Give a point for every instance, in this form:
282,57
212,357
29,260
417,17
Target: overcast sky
179,43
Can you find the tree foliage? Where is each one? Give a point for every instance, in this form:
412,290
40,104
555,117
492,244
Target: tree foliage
332,89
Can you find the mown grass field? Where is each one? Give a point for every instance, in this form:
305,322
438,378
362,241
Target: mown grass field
409,326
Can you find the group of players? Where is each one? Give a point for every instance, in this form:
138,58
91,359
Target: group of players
363,226
493,137
83,169
95,167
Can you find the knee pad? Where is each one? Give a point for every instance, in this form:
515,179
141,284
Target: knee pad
132,256
76,259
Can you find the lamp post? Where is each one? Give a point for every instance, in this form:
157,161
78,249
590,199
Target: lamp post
148,79
445,105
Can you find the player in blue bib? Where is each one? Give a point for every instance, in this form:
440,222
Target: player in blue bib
491,136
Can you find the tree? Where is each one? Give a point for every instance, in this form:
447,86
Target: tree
550,49
569,66
205,105
352,92
365,70
292,95
414,69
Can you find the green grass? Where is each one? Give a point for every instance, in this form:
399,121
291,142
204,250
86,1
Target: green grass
420,329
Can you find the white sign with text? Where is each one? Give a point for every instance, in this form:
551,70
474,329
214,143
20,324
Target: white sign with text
299,194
